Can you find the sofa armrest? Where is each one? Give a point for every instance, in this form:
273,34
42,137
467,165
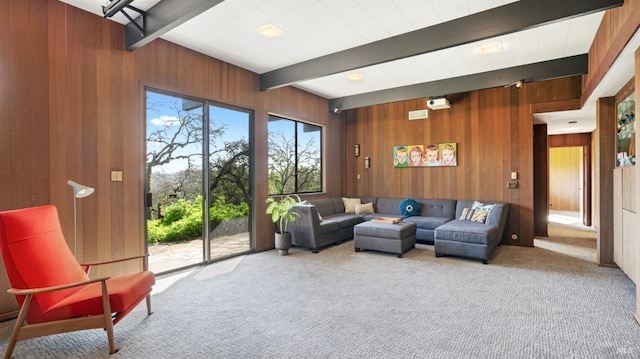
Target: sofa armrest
498,216
305,229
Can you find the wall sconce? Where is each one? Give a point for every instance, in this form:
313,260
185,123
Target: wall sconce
356,150
367,162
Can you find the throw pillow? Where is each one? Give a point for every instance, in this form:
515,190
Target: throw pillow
479,215
467,214
409,207
366,208
476,204
349,204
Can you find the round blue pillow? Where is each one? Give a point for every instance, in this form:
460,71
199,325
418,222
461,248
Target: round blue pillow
409,207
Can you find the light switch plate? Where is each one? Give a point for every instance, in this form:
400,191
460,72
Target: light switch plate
116,176
514,175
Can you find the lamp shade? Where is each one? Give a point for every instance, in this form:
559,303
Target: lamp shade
80,191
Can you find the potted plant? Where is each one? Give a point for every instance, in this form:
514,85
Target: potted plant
281,215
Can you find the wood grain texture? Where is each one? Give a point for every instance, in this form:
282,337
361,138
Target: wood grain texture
541,183
605,163
73,108
24,112
636,255
616,29
493,130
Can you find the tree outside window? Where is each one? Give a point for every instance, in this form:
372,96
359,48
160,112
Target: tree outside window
295,156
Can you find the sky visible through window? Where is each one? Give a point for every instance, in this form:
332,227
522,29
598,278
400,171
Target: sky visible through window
165,111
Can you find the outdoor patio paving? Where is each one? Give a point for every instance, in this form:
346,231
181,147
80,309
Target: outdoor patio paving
166,257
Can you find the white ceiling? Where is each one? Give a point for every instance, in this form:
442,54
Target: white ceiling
315,28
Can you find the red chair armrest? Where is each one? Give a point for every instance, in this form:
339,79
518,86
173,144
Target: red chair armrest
17,291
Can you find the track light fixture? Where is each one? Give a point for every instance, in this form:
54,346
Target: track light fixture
518,84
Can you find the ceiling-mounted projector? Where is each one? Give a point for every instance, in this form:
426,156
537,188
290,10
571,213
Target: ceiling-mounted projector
438,103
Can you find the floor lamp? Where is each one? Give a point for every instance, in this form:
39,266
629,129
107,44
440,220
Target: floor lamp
79,191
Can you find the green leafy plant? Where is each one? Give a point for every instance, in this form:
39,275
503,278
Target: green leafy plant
280,211
183,219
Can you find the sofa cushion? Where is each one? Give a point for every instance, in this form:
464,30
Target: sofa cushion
427,222
324,206
437,208
466,231
387,206
344,220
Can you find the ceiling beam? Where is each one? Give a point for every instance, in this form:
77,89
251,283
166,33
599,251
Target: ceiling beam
164,16
513,17
539,71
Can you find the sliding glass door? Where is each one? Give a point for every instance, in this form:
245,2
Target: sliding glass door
188,167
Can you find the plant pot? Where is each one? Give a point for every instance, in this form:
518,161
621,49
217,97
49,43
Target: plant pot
283,243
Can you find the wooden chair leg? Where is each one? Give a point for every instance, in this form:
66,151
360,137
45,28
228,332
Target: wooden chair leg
108,324
16,328
149,312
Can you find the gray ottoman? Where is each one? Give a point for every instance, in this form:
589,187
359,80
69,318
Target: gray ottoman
393,238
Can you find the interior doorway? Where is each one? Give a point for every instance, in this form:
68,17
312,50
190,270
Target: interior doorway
566,179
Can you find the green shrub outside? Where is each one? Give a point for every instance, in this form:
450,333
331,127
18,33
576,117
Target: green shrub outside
182,220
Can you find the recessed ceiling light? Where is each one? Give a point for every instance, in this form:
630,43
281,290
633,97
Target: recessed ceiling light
491,48
355,77
269,31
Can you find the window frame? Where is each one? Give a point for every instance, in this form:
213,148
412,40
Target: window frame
320,158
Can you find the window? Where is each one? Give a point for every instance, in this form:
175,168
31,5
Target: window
295,156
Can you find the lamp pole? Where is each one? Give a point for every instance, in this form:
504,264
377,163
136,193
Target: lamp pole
79,191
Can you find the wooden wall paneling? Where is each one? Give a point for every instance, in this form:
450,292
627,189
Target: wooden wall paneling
541,180
605,163
24,102
513,196
555,106
555,91
471,150
525,202
5,102
626,90
491,140
570,140
636,255
85,158
587,197
7,301
24,167
616,29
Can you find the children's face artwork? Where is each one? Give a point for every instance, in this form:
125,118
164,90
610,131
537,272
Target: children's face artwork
448,156
426,155
401,156
432,155
416,156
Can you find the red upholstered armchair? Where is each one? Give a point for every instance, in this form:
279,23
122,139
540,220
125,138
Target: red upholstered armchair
53,290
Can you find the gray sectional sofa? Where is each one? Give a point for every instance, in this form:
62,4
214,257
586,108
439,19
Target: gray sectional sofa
323,222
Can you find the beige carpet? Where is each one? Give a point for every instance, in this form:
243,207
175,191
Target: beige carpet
550,301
